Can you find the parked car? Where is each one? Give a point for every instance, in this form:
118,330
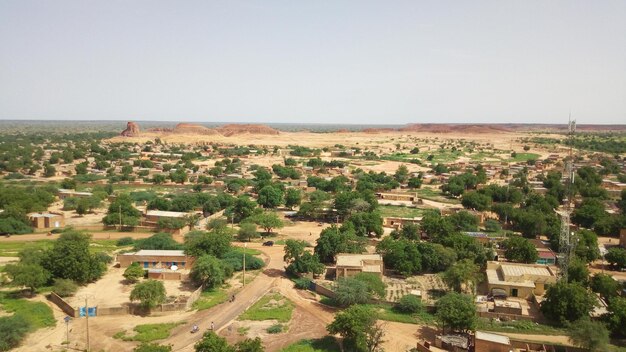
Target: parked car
268,243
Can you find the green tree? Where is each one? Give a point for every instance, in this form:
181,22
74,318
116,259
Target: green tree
616,318
567,302
215,243
402,174
306,263
270,197
32,276
375,285
401,255
293,250
247,231
605,285
335,240
152,347
250,345
367,223
268,221
122,209
410,304
462,276
349,291
519,249
616,257
64,287
590,211
149,293
456,311
587,246
12,330
133,273
475,200
209,271
293,198
242,208
577,271
70,258
158,241
589,335
357,325
211,342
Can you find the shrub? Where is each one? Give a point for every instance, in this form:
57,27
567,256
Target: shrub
12,331
275,329
64,287
409,304
125,241
103,258
235,260
302,283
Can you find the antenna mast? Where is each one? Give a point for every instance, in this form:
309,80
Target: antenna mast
566,244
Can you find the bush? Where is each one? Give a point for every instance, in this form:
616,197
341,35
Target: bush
275,329
409,304
125,241
103,258
12,331
64,287
235,260
302,283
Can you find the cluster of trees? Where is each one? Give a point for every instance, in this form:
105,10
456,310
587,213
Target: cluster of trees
211,342
68,259
17,202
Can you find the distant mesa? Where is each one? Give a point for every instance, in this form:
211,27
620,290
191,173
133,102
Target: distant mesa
233,129
189,128
132,130
378,130
453,128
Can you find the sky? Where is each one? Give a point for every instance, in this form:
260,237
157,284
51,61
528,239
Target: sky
316,61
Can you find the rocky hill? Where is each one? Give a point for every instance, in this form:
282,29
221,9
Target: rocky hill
233,129
132,130
189,128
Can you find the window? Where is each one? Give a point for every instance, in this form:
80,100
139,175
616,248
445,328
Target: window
146,264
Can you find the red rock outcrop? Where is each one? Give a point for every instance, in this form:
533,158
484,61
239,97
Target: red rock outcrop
189,128
233,129
132,130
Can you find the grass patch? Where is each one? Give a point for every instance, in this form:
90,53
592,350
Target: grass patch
243,330
249,251
518,326
11,249
523,157
275,329
38,314
210,298
325,344
148,332
388,313
398,211
272,306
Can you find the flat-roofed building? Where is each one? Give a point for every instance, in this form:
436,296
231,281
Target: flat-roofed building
352,264
398,196
519,280
46,220
155,215
157,259
489,342
67,193
398,222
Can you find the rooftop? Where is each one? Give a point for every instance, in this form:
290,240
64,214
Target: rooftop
487,336
160,252
165,214
357,259
516,270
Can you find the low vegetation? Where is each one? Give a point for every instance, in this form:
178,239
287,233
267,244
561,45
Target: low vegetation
272,306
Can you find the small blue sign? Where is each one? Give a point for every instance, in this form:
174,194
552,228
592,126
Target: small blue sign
91,311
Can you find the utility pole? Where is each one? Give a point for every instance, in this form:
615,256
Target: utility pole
245,245
87,321
67,329
120,217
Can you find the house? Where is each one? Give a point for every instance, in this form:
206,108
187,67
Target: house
398,222
519,280
160,264
489,342
352,264
67,193
46,220
153,216
397,196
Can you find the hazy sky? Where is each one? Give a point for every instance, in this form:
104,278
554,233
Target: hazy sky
313,61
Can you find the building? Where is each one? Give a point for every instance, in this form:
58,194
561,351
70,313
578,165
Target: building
519,280
160,264
398,222
46,220
67,193
397,196
489,342
153,216
352,264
